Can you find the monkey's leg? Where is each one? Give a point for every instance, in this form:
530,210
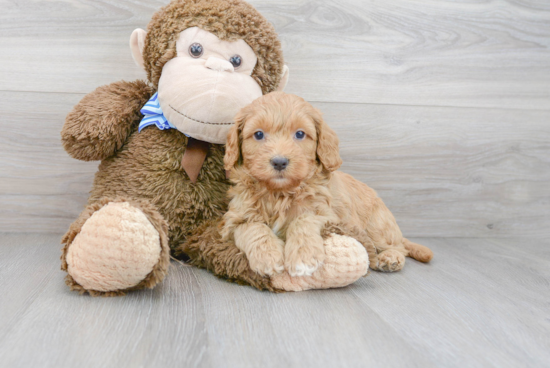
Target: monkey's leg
115,246
346,261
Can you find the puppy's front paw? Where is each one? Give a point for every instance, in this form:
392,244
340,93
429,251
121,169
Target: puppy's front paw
303,260
266,261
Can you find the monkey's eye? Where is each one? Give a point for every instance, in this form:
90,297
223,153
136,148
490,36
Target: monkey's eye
259,135
236,60
195,50
300,134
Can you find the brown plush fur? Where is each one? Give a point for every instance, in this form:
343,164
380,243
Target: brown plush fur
297,202
146,166
155,276
98,126
207,250
229,20
149,167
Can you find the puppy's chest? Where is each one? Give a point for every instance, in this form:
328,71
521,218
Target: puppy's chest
279,214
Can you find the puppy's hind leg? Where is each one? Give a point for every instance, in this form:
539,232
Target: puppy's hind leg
385,257
386,240
382,257
390,260
389,245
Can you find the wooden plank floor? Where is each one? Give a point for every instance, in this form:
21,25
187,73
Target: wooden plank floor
481,303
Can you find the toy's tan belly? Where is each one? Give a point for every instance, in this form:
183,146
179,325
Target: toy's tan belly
149,167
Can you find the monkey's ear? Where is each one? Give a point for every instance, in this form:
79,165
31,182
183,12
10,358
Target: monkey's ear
327,144
233,146
137,43
284,79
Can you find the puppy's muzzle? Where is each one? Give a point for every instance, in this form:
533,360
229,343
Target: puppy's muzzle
279,163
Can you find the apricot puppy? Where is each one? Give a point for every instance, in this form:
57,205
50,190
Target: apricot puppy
283,159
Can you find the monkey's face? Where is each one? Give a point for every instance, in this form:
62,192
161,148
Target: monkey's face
203,87
206,84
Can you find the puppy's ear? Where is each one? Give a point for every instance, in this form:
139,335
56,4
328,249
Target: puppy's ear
327,144
233,145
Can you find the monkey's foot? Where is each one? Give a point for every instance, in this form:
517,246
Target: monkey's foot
346,261
117,249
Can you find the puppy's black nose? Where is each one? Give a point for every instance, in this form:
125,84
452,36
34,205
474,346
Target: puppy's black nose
279,163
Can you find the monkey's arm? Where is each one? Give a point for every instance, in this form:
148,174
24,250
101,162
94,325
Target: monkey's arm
100,123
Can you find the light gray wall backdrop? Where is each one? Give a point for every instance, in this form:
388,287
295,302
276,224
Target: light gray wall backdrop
442,106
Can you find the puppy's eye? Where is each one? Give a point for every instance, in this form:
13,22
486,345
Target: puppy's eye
300,134
259,135
236,60
196,50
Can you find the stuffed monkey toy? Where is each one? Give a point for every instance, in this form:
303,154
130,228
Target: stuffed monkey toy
161,185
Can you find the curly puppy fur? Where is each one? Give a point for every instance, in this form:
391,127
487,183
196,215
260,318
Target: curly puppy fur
207,250
276,216
147,166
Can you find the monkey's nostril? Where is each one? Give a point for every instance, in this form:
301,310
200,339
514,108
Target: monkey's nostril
279,163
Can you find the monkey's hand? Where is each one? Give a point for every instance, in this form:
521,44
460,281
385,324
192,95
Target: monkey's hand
346,261
101,122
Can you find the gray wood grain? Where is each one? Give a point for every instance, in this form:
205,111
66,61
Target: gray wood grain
440,106
444,53
27,265
442,171
480,303
451,171
478,295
